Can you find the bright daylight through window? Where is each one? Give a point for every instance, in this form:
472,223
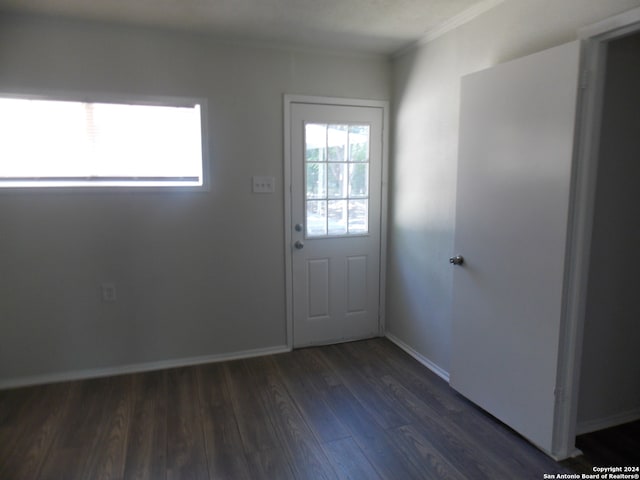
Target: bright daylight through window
61,143
337,179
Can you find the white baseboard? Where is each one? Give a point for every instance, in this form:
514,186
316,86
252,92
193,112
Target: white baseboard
419,357
607,422
136,368
575,452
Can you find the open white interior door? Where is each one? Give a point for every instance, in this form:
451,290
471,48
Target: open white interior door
515,162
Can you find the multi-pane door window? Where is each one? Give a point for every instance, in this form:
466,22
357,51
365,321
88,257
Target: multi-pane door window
337,179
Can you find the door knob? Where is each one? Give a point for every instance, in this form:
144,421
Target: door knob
457,260
298,227
299,245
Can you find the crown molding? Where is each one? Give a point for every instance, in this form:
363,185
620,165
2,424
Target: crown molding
454,22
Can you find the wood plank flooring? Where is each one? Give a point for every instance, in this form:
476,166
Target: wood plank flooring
361,410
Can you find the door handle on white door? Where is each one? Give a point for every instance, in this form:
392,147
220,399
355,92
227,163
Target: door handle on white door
457,260
299,245
298,227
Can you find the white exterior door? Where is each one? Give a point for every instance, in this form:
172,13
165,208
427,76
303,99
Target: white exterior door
336,174
514,178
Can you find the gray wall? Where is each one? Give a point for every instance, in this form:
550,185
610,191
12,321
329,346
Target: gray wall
610,381
196,273
426,96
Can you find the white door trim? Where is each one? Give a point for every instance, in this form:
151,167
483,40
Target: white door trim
288,221
594,38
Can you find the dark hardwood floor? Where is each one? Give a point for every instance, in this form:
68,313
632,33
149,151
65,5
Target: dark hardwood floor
362,410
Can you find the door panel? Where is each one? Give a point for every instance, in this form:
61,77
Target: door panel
514,175
336,171
318,287
356,284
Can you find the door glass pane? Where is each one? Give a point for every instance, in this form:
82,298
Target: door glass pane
359,143
358,216
316,218
337,143
358,180
315,135
316,180
337,181
338,213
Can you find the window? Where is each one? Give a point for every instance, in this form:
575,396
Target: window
70,143
337,179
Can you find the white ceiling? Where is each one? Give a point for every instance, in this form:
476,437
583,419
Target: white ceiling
369,26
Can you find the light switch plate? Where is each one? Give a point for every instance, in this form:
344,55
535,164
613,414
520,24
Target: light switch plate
263,184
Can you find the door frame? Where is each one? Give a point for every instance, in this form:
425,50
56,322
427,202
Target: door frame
290,99
582,207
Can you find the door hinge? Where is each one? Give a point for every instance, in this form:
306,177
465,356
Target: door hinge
584,79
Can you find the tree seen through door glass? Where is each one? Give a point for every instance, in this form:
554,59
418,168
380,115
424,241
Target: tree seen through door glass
316,180
336,179
358,180
359,143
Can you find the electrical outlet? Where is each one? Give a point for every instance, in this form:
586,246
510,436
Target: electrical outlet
263,184
108,292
